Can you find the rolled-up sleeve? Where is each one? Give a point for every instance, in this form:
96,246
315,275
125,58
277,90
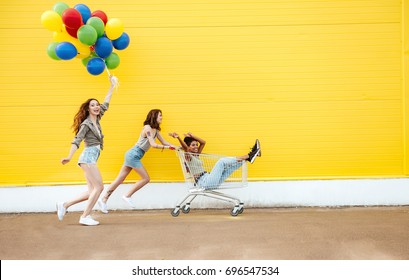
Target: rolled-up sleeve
104,106
80,135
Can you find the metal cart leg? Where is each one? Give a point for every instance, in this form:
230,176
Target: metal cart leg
186,205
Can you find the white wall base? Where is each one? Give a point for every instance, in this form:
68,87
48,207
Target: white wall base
321,193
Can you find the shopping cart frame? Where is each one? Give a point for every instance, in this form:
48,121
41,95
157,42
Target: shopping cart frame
238,180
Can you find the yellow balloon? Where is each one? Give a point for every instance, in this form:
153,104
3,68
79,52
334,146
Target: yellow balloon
83,50
114,28
51,20
61,36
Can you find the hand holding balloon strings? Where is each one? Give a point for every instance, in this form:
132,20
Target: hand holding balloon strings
114,80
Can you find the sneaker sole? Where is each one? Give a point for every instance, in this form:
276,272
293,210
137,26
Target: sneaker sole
258,147
85,224
254,158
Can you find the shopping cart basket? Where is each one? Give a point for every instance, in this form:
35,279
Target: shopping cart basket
196,165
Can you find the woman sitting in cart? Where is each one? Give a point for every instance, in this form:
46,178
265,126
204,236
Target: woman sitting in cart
223,168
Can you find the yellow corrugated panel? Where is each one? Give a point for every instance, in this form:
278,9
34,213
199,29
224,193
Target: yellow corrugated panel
320,83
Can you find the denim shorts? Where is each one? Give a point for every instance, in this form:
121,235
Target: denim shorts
89,155
133,157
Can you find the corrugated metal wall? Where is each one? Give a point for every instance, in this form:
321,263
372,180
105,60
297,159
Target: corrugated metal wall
320,83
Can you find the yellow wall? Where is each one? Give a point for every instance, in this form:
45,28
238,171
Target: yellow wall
320,83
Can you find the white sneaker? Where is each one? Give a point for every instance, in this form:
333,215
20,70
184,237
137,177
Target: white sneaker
129,201
102,206
88,221
61,210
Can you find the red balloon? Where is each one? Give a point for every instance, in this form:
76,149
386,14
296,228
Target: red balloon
72,31
72,18
101,15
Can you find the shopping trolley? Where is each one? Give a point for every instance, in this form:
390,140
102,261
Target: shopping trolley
195,166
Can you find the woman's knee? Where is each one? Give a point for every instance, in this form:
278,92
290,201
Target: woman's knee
146,180
99,188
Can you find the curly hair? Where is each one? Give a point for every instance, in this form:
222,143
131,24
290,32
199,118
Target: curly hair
152,119
81,115
188,140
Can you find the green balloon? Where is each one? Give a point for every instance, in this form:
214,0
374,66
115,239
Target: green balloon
98,24
51,50
87,35
112,61
60,7
85,60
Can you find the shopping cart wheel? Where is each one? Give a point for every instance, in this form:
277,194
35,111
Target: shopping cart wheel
186,208
241,208
234,212
175,212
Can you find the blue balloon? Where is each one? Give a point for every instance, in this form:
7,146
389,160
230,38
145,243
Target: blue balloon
84,11
103,47
66,50
95,66
122,42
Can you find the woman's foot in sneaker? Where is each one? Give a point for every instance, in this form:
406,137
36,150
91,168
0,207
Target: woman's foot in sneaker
88,221
61,210
102,206
128,201
252,155
256,147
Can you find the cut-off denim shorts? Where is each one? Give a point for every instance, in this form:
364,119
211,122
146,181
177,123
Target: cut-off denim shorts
133,157
90,155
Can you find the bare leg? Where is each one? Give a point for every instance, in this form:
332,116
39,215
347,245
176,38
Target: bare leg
94,178
82,197
245,157
142,182
123,173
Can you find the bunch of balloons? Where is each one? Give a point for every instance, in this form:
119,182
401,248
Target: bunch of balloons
89,36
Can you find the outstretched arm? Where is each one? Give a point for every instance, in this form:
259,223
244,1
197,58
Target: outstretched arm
149,134
182,143
114,83
76,143
165,143
71,153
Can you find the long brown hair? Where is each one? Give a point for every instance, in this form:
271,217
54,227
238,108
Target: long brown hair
81,115
152,119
